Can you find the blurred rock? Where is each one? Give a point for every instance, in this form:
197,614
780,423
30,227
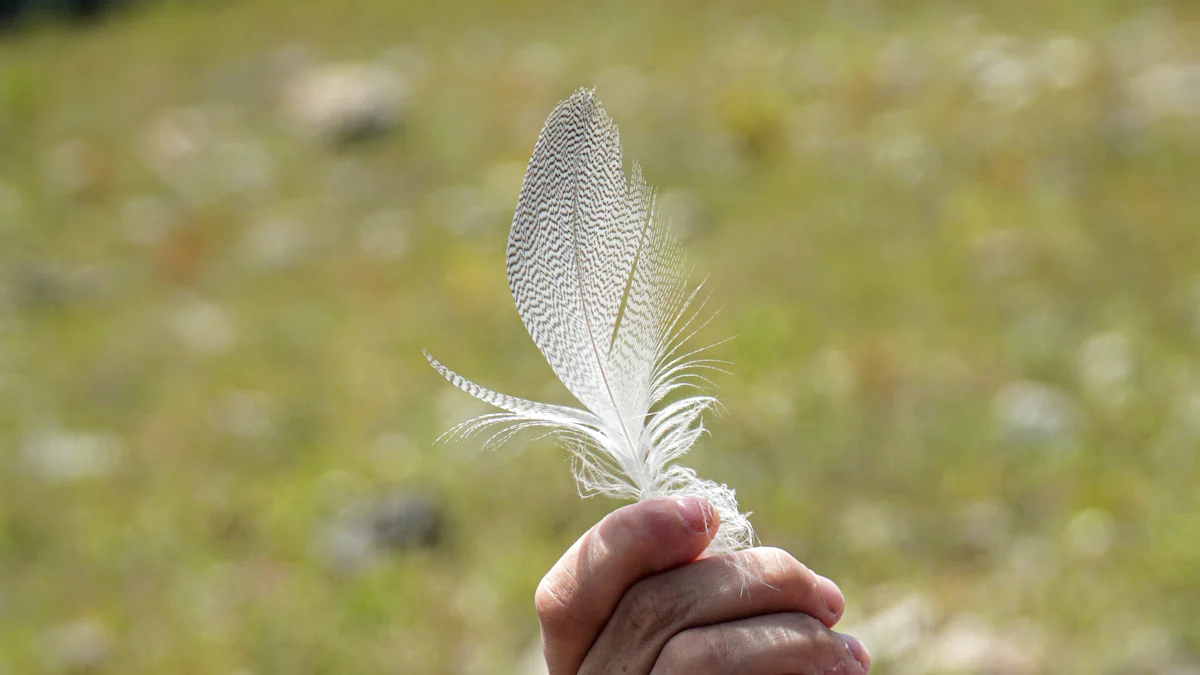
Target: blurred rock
243,414
363,531
1167,90
203,326
970,645
384,234
81,645
872,526
275,242
907,155
1035,411
985,525
1032,560
1105,364
1090,533
1187,412
833,374
345,102
74,168
37,285
146,219
1000,76
56,455
463,209
898,629
1001,254
1064,61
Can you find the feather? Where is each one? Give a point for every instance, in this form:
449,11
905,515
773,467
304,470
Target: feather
601,286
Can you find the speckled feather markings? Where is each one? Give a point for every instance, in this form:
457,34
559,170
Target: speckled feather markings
601,286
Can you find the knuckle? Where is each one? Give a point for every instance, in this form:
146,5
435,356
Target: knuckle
778,568
705,650
554,611
652,607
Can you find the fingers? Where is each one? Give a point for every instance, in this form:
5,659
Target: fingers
577,597
708,592
774,644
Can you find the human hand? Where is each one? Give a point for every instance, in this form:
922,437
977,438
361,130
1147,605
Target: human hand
631,597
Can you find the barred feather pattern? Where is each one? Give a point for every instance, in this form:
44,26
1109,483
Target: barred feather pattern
601,286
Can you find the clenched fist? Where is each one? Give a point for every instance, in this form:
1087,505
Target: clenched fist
634,597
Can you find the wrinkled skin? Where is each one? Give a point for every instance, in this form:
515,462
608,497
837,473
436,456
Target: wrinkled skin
636,596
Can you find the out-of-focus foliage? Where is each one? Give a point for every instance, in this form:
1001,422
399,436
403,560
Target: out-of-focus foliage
959,244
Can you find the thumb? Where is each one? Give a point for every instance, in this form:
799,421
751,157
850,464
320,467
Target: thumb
578,595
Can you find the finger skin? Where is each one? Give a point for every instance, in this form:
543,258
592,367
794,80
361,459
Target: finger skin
578,596
704,593
772,644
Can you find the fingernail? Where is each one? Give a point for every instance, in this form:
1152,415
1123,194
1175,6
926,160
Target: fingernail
697,513
835,602
859,651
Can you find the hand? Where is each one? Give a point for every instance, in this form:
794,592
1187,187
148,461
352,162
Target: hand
632,597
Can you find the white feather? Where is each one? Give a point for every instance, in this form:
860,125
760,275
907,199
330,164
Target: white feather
602,288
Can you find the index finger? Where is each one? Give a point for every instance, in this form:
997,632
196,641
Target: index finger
576,598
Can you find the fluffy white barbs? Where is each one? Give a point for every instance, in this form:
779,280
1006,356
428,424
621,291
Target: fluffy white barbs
601,286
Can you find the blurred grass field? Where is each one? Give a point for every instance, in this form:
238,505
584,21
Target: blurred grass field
959,245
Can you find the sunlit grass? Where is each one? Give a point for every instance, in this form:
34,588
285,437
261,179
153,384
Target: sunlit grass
959,248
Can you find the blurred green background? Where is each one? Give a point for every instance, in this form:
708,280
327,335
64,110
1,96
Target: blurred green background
958,243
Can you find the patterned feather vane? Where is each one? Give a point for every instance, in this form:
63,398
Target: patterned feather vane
602,288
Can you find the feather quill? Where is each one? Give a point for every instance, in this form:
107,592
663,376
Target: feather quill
601,286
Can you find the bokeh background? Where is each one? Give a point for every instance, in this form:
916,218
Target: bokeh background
958,243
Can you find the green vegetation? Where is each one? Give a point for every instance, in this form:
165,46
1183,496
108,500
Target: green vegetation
959,245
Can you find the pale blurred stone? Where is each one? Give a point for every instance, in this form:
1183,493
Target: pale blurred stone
385,234
346,101
80,645
1168,90
1000,75
56,455
900,64
908,155
146,220
70,167
1105,364
898,630
1148,648
986,524
1064,61
174,139
243,414
203,326
833,374
245,165
1090,533
275,242
969,644
1035,411
872,526
1187,411
464,210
